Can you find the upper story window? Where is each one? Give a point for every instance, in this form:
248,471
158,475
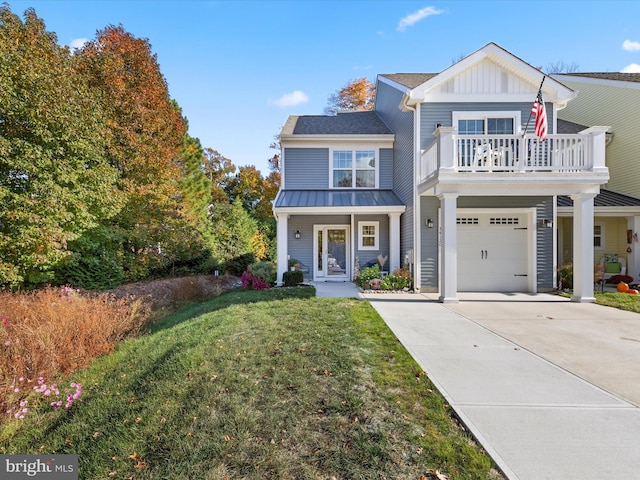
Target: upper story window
486,123
353,169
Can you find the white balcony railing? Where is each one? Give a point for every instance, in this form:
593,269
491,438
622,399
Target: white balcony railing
512,153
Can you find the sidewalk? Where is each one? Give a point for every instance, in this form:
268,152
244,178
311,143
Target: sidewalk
537,420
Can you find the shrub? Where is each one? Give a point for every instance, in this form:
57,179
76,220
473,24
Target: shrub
237,265
253,282
364,278
565,276
263,270
50,332
620,278
399,279
292,279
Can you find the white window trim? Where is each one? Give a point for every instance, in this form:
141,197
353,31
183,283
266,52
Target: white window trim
376,236
602,242
483,115
353,150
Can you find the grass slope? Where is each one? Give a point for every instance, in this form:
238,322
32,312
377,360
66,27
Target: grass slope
253,385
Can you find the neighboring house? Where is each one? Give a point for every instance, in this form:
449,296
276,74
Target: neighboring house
441,177
611,99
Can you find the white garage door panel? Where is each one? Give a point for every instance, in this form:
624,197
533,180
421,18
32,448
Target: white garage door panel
493,253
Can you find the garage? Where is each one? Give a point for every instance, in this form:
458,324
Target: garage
495,251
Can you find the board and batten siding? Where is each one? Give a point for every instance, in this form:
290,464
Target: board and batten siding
306,168
432,114
617,107
401,123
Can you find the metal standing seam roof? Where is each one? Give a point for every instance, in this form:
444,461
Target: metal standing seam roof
606,198
337,198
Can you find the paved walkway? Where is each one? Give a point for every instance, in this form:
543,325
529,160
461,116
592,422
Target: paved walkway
539,418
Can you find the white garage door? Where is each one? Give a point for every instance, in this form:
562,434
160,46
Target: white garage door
493,252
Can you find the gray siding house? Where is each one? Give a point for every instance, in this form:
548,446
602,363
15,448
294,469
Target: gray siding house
445,176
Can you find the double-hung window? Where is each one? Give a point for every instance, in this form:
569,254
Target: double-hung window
353,169
368,233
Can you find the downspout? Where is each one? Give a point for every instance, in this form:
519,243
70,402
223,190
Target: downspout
417,254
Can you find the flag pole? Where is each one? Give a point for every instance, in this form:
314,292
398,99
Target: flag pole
531,112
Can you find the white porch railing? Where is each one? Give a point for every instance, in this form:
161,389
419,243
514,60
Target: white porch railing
511,153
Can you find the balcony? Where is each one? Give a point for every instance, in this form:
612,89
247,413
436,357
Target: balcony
561,158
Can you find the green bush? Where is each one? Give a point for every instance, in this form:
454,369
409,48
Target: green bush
366,275
399,279
565,276
263,270
237,265
292,279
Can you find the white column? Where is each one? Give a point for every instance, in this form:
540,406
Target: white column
283,247
583,274
394,241
633,258
449,267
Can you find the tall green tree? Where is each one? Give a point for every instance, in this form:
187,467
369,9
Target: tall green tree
233,230
145,135
55,181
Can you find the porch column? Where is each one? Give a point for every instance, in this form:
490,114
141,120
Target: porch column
448,245
633,258
583,263
394,241
283,247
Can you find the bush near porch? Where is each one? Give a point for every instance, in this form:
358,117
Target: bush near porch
371,278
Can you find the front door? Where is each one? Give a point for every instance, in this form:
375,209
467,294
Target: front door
331,252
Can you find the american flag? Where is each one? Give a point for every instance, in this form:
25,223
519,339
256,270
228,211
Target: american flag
541,116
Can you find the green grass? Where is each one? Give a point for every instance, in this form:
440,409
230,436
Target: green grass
256,385
623,301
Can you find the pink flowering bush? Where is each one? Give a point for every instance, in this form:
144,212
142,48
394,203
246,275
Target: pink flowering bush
18,401
259,276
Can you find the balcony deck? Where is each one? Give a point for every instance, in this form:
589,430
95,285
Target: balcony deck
452,157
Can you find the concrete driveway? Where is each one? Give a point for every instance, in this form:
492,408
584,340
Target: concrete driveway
599,344
550,388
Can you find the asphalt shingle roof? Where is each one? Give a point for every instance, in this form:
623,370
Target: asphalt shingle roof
344,123
410,80
567,127
606,198
623,77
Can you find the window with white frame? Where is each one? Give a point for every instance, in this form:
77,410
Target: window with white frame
598,236
368,235
353,169
487,123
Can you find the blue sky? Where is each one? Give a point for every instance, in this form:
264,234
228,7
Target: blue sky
238,69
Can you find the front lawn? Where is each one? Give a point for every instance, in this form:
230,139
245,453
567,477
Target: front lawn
253,385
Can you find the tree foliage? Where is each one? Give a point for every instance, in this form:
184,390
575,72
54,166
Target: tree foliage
55,181
357,95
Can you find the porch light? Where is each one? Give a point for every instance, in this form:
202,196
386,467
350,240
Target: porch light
297,234
547,223
429,223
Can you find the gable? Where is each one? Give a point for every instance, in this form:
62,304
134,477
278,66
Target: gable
490,74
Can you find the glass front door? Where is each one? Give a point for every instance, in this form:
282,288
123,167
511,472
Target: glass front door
331,252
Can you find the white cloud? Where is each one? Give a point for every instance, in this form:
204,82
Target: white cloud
77,43
630,46
633,68
415,17
297,97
